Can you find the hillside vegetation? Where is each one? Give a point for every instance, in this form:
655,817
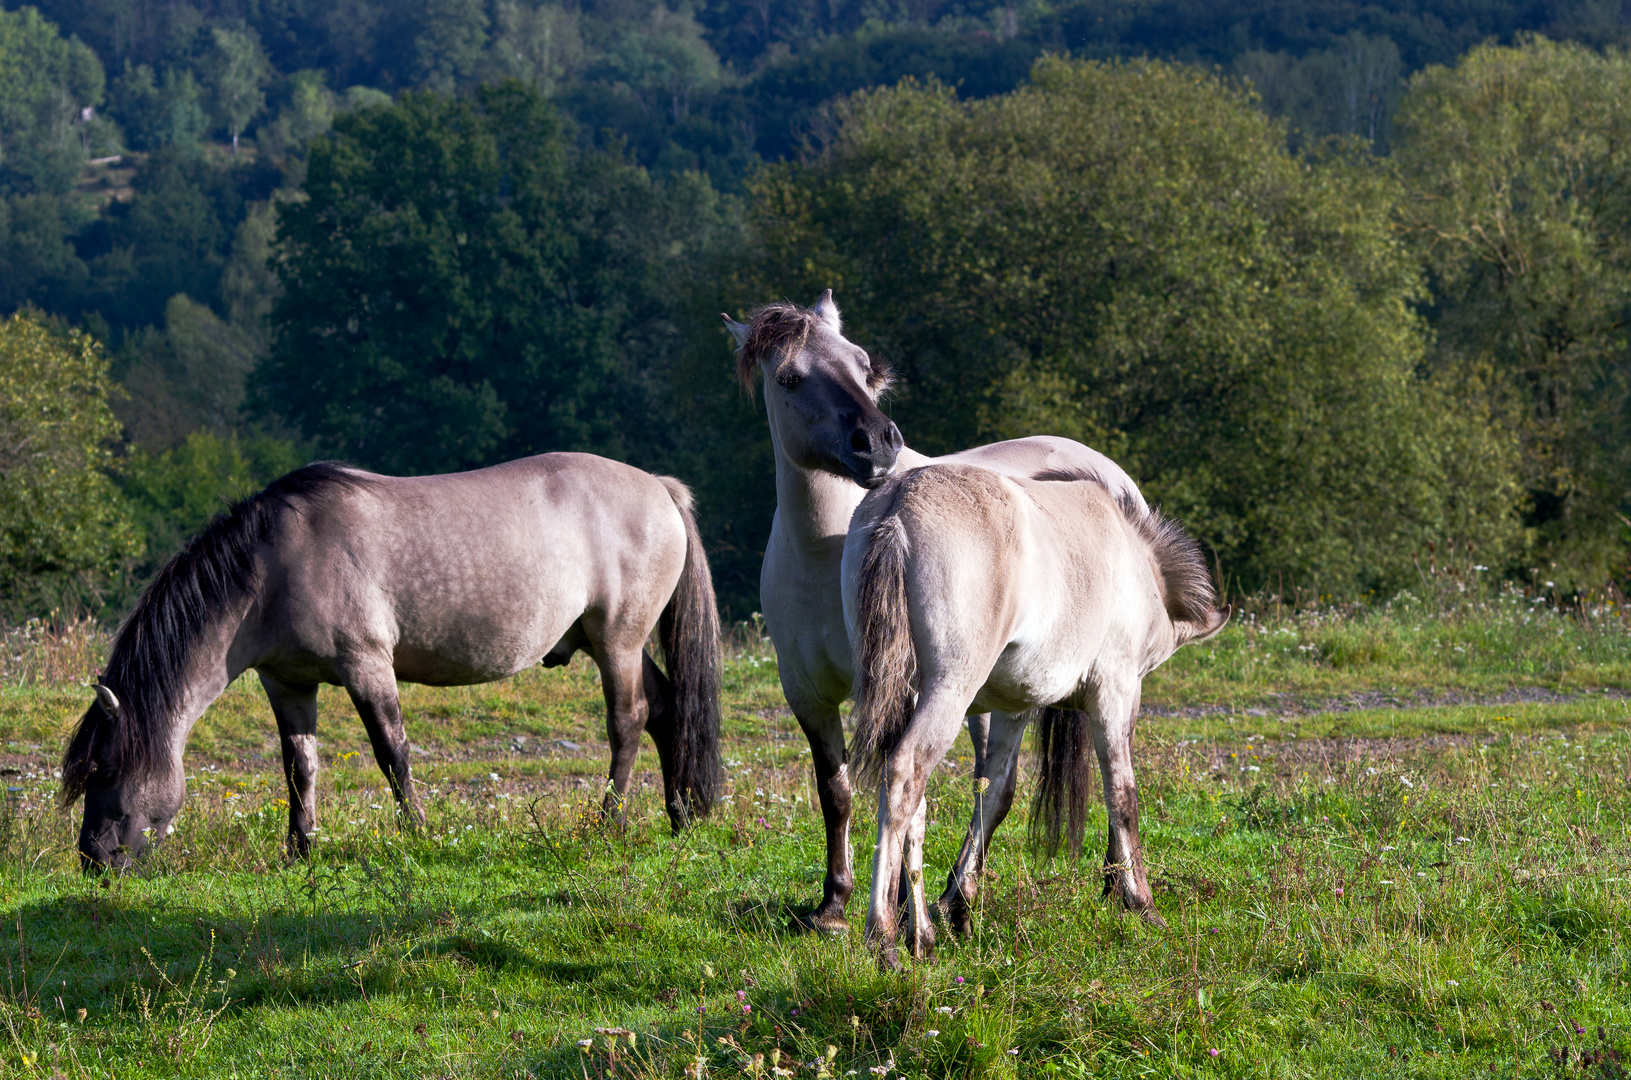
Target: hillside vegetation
1342,286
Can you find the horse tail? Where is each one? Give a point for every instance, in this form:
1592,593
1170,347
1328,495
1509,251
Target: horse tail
1059,807
1186,583
886,660
689,631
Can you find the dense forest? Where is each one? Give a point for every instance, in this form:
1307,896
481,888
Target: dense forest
1343,285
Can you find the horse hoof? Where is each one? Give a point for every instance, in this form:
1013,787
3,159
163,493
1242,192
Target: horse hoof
828,924
954,914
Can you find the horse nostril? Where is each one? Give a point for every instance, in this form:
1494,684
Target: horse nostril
860,442
895,440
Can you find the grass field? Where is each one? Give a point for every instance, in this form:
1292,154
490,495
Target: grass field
1393,843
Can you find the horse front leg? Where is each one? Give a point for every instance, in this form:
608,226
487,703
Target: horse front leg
825,732
1124,873
997,738
372,688
295,706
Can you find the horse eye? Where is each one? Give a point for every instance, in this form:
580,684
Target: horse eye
790,380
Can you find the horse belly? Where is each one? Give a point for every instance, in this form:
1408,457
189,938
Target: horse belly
485,633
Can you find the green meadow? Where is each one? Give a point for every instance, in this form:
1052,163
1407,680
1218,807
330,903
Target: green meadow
1387,842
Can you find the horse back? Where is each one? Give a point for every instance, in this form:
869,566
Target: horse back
470,576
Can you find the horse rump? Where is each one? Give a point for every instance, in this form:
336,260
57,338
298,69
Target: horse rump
689,632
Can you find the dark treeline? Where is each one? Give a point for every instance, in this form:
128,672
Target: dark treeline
1339,283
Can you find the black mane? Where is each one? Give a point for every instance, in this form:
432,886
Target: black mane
147,667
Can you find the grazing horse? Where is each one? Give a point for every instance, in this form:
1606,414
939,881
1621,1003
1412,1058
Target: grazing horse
831,443
967,591
339,576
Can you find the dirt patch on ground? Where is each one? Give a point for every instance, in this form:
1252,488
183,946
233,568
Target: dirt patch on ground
1287,705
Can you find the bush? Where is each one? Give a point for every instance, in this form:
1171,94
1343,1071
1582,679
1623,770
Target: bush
1128,255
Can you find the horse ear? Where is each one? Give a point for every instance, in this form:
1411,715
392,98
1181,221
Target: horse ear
739,331
828,311
109,700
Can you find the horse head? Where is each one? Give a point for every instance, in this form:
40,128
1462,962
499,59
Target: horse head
821,390
131,794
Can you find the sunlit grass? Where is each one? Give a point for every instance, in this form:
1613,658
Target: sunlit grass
1377,891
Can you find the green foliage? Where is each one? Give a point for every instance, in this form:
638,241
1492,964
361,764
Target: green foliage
175,494
45,80
1126,254
188,376
236,69
460,287
59,512
1516,160
164,111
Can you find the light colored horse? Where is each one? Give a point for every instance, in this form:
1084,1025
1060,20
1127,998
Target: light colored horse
965,591
831,443
334,575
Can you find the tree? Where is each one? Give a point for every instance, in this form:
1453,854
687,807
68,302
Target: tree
1517,162
1128,255
46,84
236,69
460,286
158,112
60,514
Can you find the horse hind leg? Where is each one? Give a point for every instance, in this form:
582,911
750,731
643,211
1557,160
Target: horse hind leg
1124,872
295,706
997,738
920,935
622,679
660,725
932,729
373,692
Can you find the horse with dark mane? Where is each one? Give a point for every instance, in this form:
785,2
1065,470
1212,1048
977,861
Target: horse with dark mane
334,575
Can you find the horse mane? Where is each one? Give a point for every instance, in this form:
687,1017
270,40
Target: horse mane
147,666
1190,594
784,325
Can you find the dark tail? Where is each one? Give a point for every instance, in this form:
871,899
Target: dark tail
1059,809
689,629
886,667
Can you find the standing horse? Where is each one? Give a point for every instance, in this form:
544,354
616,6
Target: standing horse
831,443
967,591
334,575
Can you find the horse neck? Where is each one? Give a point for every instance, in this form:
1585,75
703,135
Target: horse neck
217,659
812,506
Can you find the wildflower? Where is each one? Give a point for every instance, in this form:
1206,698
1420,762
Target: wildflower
958,980
1452,982
1339,890
585,1044
741,995
944,1010
1463,839
932,1032
1014,1051
1578,1030
746,1009
1214,1051
1387,881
